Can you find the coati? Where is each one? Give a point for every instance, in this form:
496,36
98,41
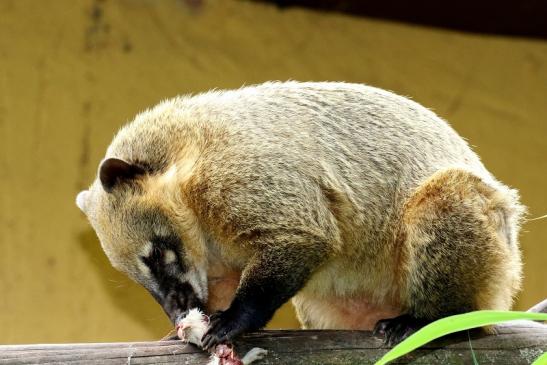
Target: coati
364,207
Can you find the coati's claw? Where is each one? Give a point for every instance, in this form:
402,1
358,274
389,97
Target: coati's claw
223,327
397,329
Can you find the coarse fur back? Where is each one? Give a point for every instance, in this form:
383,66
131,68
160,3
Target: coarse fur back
326,172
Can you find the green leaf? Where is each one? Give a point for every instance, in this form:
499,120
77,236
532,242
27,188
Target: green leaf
453,324
542,360
475,362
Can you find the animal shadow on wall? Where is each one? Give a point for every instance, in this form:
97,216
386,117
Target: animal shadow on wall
130,298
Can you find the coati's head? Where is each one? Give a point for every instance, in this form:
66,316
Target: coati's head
140,221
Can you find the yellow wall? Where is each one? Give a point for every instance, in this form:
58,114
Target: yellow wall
72,72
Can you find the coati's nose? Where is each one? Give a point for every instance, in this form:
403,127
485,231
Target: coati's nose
178,299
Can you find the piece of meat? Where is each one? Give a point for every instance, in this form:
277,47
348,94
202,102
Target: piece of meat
193,326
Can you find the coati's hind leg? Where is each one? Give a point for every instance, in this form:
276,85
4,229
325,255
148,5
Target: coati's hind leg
459,253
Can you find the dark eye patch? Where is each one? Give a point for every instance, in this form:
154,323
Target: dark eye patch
167,267
156,260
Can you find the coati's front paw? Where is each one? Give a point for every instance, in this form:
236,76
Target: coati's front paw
397,329
224,327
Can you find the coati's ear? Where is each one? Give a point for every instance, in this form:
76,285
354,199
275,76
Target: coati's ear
81,200
114,171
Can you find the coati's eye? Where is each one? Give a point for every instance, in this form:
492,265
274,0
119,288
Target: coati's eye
164,257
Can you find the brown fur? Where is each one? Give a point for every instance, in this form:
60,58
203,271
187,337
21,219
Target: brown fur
358,202
453,226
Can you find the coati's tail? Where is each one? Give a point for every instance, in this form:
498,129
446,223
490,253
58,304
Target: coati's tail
461,246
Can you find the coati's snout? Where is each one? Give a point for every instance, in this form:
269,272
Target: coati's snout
140,237
168,280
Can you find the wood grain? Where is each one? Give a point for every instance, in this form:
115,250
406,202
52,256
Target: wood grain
517,343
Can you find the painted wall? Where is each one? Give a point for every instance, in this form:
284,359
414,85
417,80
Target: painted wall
72,72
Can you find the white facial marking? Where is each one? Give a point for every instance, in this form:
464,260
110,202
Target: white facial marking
145,271
146,249
81,200
169,257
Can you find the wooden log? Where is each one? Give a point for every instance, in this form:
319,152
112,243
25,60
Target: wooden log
518,342
541,307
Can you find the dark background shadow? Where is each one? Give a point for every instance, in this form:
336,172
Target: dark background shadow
132,298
